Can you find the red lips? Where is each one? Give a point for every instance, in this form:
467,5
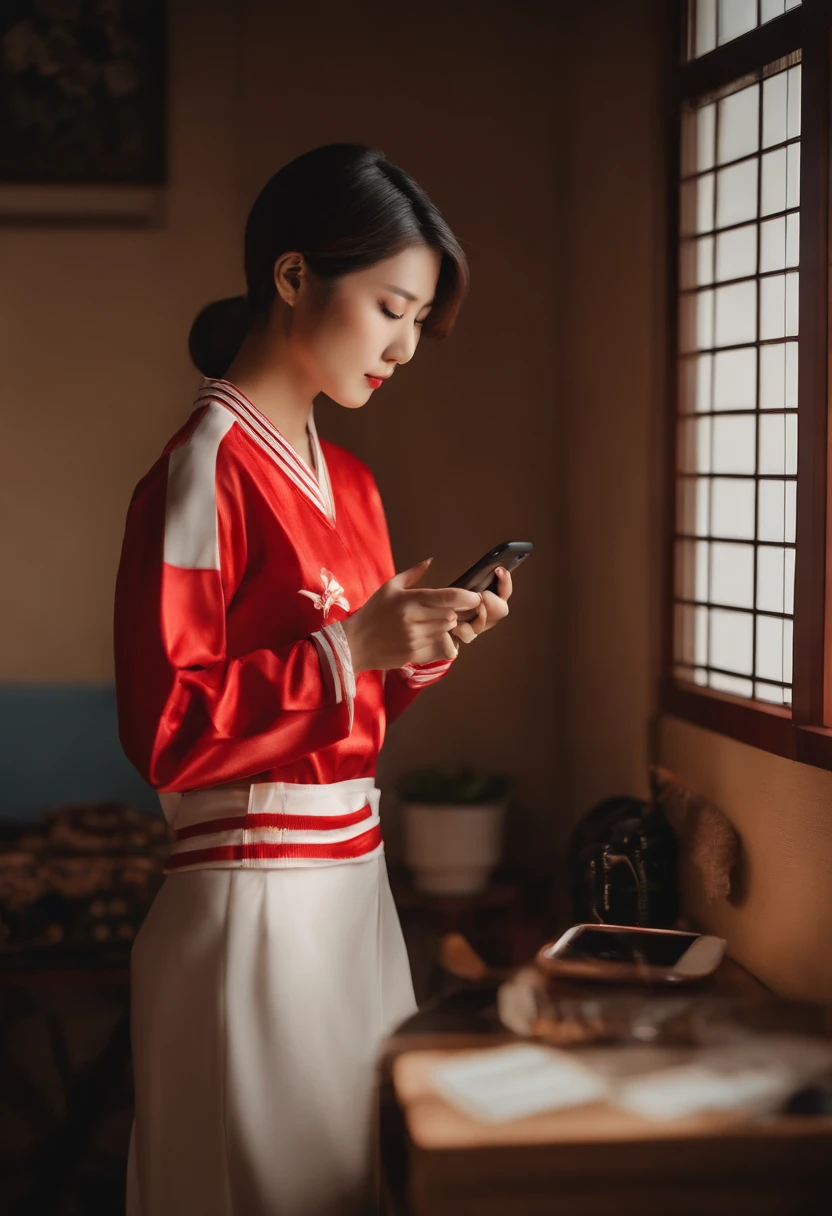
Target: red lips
375,381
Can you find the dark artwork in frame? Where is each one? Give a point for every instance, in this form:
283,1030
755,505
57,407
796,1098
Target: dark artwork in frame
82,93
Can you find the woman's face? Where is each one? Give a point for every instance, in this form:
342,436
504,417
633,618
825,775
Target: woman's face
369,324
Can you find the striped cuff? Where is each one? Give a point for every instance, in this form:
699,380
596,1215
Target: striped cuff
418,675
336,663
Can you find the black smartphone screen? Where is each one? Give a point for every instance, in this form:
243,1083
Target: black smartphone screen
624,946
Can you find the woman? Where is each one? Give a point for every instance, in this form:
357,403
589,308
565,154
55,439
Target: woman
263,641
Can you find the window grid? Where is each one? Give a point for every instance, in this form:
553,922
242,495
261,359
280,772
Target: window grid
713,23
721,640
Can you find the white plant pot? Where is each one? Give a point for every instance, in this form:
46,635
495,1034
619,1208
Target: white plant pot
452,849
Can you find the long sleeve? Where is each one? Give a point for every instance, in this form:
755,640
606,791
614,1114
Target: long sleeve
402,685
192,715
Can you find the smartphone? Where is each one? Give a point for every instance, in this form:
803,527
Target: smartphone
480,576
616,953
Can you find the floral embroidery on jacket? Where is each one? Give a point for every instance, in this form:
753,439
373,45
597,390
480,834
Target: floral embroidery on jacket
333,594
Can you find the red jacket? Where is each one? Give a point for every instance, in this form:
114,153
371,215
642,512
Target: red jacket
237,567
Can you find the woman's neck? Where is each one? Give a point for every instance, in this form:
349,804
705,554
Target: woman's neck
278,391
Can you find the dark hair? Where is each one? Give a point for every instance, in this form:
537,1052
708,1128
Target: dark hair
344,207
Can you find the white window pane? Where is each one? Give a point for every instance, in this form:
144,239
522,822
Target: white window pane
793,239
732,575
773,185
778,443
780,242
738,124
770,649
732,508
700,647
792,303
705,260
771,579
705,319
788,582
776,513
734,443
705,193
735,315
773,307
769,692
735,17
792,4
735,379
794,75
695,384
778,376
775,105
694,441
770,9
697,205
731,640
696,321
705,137
698,139
692,506
737,193
791,510
732,684
773,244
793,174
736,253
788,650
705,38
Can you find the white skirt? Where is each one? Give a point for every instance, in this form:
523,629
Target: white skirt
260,998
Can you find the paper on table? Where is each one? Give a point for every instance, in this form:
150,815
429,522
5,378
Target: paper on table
502,1083
756,1076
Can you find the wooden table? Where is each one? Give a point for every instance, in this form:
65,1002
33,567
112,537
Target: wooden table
594,1161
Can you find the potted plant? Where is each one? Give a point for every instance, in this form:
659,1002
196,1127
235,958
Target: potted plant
453,825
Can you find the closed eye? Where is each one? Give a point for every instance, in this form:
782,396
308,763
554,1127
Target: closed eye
397,316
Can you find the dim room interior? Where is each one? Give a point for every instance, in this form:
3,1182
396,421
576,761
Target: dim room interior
594,398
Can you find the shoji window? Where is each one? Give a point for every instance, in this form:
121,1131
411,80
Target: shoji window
746,633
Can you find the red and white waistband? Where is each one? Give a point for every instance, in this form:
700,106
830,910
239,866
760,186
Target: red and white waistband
273,826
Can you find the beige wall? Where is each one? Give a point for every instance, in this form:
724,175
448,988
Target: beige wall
780,926
465,444
612,316
96,376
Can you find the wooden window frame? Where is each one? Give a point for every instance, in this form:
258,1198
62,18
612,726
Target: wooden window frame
798,733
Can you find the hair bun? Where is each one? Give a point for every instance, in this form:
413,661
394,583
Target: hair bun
217,335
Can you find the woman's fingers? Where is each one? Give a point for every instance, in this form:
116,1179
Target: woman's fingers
504,583
445,597
417,615
441,647
467,631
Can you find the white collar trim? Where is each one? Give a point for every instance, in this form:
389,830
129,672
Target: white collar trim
316,486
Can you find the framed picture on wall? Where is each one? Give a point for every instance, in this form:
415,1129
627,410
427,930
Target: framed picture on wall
82,109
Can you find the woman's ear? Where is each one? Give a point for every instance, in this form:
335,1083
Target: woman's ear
289,273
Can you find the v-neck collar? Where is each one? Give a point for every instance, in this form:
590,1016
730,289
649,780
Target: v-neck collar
315,485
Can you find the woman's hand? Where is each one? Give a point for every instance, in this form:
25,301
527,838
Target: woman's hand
494,608
403,623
